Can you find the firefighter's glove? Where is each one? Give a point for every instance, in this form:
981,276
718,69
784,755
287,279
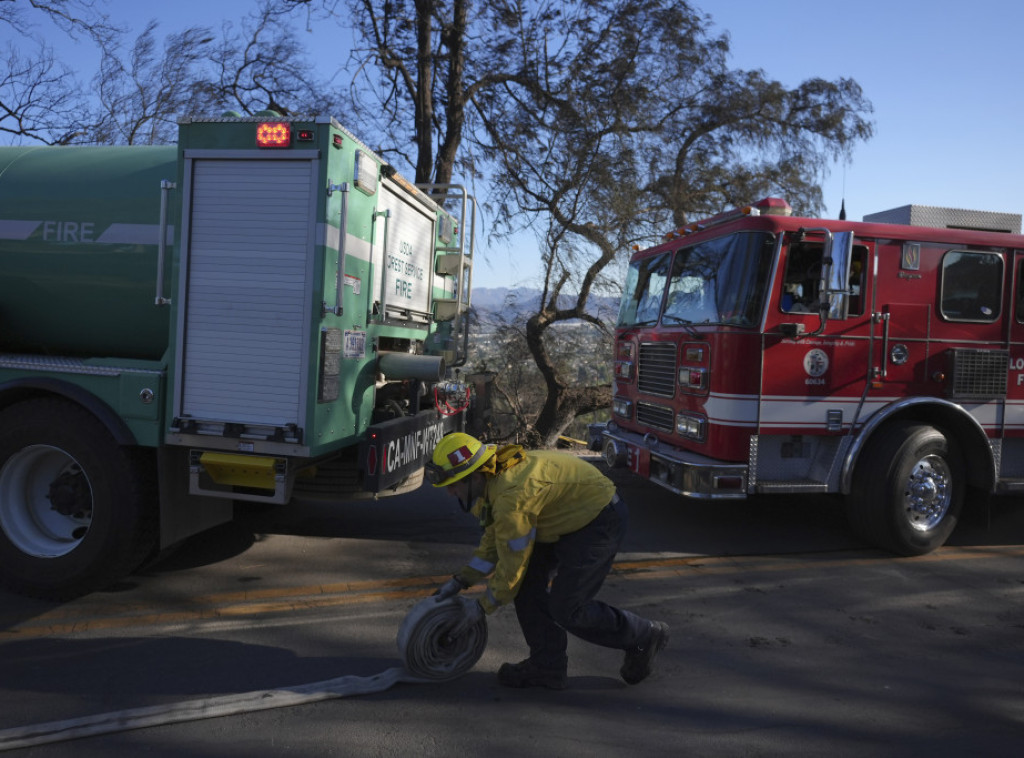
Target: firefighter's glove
472,614
451,588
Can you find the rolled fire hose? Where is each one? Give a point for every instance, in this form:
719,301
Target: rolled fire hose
429,654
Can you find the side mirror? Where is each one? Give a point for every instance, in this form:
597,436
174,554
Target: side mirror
836,273
834,285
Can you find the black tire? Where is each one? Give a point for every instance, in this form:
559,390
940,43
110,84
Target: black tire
77,511
908,489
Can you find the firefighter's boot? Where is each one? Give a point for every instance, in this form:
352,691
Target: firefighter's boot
528,674
637,664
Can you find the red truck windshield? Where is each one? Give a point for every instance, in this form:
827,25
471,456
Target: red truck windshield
720,281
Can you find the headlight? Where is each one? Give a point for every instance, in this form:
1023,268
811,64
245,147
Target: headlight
693,378
690,426
622,407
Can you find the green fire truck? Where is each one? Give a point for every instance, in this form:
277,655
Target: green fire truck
265,311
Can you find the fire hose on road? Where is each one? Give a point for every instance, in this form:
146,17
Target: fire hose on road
429,654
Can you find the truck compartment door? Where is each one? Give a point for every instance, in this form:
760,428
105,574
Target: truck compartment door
403,257
246,292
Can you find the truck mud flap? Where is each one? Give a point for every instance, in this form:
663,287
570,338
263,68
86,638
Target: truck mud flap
395,449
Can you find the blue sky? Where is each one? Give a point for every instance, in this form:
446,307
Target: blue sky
944,77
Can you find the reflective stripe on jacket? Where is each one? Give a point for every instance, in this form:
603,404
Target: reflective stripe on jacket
547,495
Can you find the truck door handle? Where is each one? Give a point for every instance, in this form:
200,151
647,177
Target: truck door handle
386,214
884,318
161,244
339,307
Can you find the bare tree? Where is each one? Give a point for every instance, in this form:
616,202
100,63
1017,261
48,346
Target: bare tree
141,96
255,66
41,99
419,50
143,86
263,65
417,66
74,17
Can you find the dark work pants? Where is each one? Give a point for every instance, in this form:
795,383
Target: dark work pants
575,566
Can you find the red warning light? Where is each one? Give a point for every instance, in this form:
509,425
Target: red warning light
274,134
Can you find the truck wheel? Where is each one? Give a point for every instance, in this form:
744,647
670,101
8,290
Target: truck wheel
908,490
76,509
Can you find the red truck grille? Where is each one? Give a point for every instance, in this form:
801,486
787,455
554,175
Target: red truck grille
657,369
655,416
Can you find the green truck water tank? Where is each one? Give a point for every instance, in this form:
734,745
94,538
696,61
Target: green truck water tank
78,241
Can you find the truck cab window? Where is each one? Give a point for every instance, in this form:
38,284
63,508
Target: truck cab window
802,279
645,286
858,268
1019,294
719,281
971,286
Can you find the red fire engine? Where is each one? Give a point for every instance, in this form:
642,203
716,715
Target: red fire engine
883,360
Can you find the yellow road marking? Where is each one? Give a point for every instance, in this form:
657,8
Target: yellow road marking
68,620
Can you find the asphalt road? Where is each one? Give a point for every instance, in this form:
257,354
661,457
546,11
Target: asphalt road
788,638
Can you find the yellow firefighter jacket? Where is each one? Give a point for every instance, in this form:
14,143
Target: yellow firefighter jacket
532,497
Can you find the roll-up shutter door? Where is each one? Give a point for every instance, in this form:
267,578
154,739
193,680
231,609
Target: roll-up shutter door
247,304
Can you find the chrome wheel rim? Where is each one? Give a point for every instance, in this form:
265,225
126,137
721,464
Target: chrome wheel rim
45,501
928,493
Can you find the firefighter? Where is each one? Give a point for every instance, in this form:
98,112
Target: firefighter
544,514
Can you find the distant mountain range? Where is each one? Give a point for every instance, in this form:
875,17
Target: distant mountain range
492,300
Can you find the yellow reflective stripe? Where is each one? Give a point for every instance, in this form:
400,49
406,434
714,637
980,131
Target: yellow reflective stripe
479,564
521,543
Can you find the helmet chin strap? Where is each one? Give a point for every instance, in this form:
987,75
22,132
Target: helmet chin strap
474,490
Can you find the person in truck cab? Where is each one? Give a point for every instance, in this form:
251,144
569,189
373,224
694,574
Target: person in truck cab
552,526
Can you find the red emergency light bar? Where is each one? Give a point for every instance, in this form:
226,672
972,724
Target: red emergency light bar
274,134
769,206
